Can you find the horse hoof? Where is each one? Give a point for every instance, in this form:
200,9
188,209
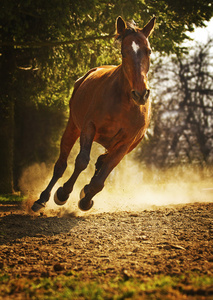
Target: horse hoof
85,205
58,197
37,206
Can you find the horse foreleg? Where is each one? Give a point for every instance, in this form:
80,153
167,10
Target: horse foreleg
81,163
107,164
69,138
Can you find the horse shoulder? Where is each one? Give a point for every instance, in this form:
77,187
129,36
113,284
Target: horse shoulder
79,81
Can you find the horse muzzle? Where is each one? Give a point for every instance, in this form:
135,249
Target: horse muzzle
140,98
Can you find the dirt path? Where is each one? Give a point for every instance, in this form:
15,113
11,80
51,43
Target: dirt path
172,241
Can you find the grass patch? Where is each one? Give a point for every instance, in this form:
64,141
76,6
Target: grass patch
202,281
77,287
4,278
11,199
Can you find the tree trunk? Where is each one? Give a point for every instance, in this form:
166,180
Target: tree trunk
7,120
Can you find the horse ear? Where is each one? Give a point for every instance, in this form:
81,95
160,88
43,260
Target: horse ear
148,28
120,26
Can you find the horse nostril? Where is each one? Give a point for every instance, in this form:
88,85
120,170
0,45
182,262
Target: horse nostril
146,96
135,95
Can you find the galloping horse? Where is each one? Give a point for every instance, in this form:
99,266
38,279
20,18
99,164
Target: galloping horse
109,105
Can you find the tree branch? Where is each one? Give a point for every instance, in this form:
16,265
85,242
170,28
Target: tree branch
55,43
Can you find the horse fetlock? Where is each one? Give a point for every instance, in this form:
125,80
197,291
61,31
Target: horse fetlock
84,191
86,201
44,197
40,203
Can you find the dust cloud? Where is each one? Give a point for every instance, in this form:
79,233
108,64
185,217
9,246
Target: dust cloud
130,186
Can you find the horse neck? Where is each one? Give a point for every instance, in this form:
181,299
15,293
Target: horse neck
124,83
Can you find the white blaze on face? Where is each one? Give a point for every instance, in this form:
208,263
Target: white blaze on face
135,47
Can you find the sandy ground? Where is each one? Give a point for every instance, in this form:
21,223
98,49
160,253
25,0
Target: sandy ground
170,240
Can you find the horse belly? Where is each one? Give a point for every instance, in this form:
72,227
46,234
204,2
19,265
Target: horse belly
109,136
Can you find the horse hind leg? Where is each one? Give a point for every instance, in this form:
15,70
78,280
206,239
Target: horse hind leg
68,140
100,162
107,164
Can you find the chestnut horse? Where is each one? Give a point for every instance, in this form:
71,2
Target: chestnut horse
109,105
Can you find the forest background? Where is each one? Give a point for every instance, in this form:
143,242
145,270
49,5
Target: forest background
46,45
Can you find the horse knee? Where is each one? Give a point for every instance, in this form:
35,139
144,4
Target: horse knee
82,161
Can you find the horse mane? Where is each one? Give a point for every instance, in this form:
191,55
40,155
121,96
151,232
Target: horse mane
131,28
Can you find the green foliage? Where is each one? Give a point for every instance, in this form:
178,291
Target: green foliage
8,199
74,287
29,21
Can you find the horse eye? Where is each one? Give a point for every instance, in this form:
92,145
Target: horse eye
149,51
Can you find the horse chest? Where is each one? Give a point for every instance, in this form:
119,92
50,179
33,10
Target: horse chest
119,127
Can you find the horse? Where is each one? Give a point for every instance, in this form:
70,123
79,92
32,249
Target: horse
109,105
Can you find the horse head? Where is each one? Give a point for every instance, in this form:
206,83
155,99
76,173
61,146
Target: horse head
135,50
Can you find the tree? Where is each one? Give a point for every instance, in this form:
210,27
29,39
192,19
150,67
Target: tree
46,45
182,123
43,23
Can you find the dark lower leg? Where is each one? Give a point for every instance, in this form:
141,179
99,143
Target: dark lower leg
59,169
89,192
105,164
69,138
99,163
96,184
81,162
